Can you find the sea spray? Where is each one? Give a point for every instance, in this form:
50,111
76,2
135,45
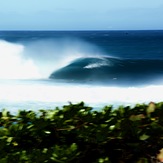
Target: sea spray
53,54
13,65
38,59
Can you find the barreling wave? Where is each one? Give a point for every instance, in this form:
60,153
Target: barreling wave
38,59
111,70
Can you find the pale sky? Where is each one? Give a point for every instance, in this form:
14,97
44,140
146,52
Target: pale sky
81,14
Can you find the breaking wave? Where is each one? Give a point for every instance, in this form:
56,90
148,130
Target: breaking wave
110,70
74,60
38,59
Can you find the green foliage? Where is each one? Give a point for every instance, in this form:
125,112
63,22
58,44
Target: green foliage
76,133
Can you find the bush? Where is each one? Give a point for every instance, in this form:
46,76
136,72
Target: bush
76,133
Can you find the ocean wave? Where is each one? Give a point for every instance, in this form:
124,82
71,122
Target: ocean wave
111,70
35,59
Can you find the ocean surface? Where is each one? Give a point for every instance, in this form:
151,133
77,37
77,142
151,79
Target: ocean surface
45,69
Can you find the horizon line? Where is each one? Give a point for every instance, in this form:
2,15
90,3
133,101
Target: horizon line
73,30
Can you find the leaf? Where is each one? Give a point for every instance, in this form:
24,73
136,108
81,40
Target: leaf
9,139
144,137
15,144
151,108
5,113
73,147
47,132
112,127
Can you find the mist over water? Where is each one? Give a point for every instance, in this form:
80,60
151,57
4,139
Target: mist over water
50,55
25,67
38,59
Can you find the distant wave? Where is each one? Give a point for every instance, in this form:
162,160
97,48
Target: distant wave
111,70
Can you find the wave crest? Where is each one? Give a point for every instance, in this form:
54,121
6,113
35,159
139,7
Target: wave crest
97,64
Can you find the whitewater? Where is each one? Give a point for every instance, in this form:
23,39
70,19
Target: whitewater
26,64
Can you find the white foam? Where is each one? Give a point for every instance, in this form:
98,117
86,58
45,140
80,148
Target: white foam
52,94
13,65
96,65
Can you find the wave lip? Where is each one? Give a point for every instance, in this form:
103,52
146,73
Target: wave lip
99,62
111,70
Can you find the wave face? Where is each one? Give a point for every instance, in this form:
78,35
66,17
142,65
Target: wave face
111,70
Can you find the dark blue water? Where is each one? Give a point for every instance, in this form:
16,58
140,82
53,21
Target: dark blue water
126,44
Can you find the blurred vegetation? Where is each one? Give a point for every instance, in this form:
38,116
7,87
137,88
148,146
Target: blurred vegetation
78,134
